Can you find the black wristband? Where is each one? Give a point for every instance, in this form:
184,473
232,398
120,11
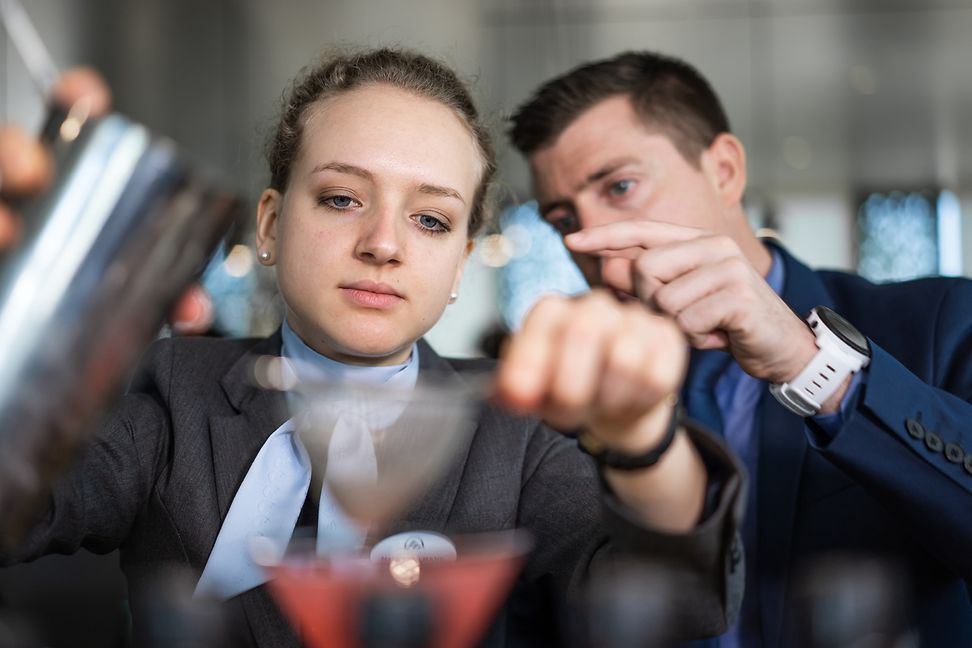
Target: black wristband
607,458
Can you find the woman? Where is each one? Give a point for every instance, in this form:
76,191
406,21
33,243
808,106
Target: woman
380,168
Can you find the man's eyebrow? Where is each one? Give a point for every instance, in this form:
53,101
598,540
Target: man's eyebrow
606,169
436,190
341,167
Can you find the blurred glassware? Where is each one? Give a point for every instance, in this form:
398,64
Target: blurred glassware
849,601
374,451
405,599
629,603
375,448
125,225
171,617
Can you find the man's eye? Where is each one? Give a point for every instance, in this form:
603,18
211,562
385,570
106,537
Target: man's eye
431,223
340,202
566,224
620,187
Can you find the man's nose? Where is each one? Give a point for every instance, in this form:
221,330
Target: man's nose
590,267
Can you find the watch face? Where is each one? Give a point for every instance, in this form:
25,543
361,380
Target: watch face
843,329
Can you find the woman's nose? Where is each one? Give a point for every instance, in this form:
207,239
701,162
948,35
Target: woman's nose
380,240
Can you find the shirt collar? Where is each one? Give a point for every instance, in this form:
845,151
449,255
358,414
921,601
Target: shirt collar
776,275
311,365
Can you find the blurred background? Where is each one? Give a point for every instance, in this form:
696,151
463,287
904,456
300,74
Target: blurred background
856,114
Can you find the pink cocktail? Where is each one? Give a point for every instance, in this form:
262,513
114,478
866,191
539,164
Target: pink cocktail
324,597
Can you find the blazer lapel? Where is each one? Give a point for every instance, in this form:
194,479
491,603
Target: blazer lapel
782,448
238,438
268,624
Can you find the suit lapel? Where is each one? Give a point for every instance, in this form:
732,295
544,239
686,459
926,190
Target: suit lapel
781,453
268,624
237,438
782,448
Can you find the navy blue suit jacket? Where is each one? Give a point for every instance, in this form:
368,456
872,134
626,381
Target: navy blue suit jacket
875,487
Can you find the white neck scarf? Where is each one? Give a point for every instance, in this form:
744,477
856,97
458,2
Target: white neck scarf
268,502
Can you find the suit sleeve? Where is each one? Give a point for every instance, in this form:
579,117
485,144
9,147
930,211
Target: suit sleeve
94,505
907,438
583,532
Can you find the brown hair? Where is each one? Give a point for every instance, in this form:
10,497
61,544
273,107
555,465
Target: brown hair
405,70
669,95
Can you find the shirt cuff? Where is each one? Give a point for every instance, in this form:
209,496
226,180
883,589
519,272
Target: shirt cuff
824,427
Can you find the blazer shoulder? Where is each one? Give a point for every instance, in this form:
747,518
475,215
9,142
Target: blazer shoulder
856,296
196,359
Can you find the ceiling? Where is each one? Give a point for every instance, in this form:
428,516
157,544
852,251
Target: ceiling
828,95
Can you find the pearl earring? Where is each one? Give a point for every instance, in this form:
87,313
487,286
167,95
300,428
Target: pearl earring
265,256
453,297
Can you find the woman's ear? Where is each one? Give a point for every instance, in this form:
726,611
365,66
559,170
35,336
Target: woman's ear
268,213
470,246
724,163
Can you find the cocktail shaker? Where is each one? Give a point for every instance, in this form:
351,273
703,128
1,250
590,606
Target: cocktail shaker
125,226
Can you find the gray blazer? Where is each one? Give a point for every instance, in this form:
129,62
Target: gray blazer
159,478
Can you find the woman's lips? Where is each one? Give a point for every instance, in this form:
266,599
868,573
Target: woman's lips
369,294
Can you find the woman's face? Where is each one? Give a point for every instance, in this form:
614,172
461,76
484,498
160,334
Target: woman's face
370,236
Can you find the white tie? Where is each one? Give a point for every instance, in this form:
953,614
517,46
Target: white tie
267,505
351,462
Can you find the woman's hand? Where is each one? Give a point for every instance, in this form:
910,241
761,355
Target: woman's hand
610,369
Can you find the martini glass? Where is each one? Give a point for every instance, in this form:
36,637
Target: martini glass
408,599
374,452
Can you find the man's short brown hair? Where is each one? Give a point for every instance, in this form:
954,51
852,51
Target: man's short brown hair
670,95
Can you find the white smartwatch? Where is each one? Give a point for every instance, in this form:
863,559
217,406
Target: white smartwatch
843,351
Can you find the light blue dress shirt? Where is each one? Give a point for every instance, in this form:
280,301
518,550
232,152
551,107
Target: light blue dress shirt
311,365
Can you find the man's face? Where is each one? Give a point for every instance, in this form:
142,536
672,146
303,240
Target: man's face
607,166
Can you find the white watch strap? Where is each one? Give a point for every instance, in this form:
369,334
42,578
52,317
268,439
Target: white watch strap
823,376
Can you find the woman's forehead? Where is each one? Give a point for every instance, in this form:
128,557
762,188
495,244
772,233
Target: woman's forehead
387,127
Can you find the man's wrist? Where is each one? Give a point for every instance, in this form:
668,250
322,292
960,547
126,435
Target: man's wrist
803,353
843,351
832,404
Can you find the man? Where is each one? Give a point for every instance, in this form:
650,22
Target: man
868,447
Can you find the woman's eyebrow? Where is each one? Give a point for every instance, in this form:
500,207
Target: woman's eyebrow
341,167
436,190
426,188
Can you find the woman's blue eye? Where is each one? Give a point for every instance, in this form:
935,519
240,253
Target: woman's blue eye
340,201
431,223
620,187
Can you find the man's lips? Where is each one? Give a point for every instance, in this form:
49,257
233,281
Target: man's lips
370,294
